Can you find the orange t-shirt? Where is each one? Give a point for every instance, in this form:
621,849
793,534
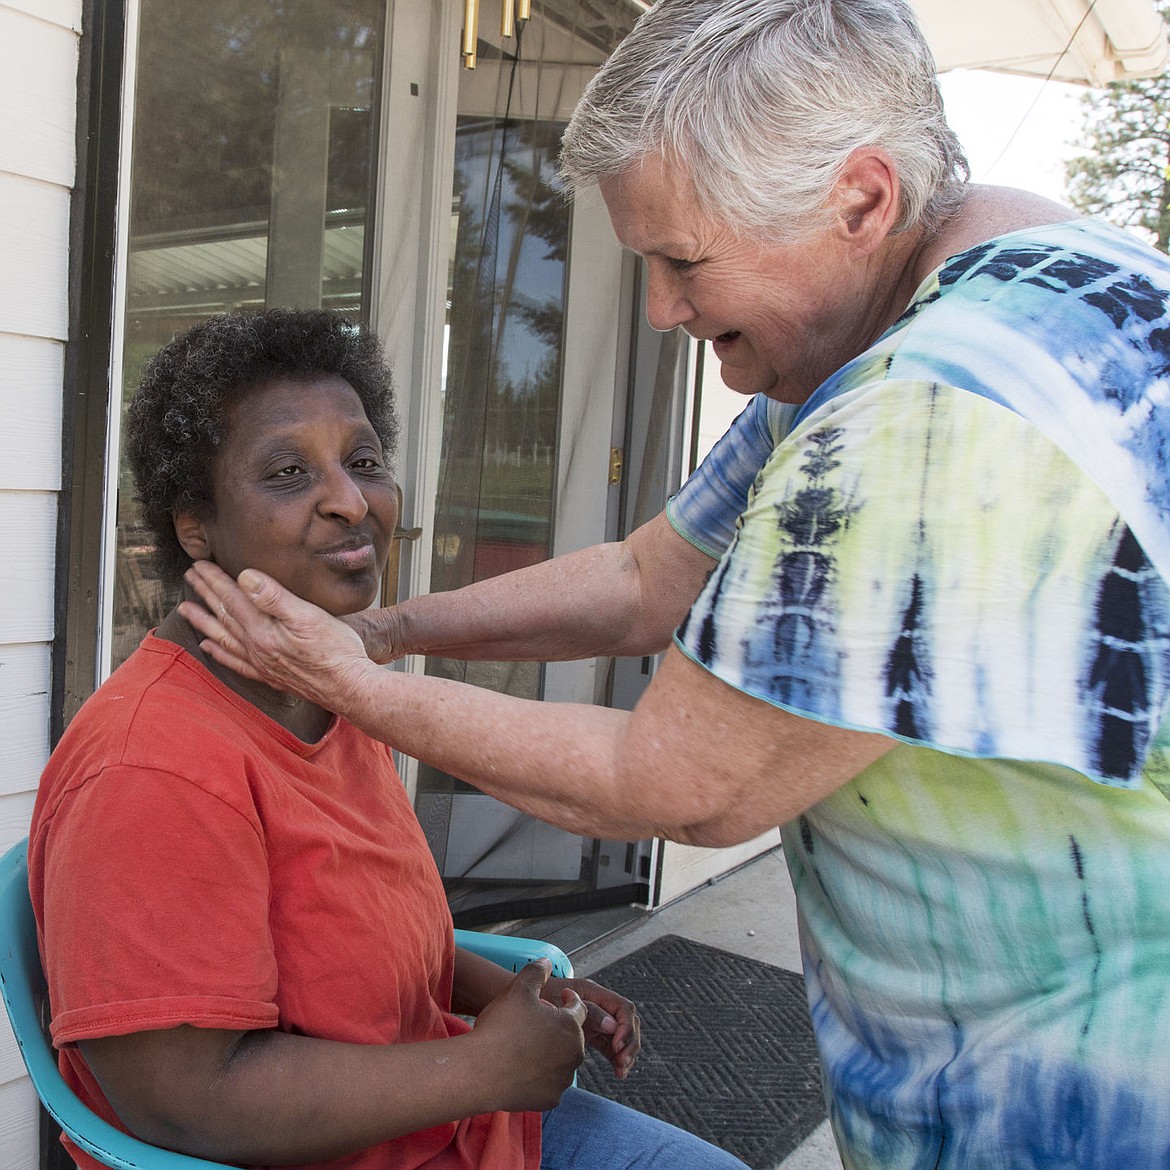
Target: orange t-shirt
193,862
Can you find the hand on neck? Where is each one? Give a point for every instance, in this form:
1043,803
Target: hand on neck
306,720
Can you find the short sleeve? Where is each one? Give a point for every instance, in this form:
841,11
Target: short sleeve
705,509
919,561
152,929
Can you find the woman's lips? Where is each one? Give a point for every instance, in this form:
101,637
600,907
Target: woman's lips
352,556
724,342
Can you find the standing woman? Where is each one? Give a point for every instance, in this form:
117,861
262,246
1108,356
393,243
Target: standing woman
920,588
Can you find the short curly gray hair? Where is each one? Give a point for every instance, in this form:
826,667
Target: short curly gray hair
759,103
178,416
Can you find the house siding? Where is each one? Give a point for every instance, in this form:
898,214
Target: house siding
39,41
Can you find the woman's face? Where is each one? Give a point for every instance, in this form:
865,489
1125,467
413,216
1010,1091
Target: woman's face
301,492
776,314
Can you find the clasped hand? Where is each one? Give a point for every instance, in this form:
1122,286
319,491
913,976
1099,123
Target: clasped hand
536,1030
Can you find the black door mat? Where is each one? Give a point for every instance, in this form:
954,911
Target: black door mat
727,1049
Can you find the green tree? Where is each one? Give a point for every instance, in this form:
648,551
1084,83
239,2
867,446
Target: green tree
1124,173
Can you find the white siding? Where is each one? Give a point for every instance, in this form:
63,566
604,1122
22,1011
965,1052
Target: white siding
31,375
24,715
61,13
18,1139
27,530
38,93
36,138
34,286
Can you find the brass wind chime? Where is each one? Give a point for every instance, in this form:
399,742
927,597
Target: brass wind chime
513,11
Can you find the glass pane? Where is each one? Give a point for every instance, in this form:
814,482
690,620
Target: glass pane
494,509
254,137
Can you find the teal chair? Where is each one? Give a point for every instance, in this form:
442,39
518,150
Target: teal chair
22,983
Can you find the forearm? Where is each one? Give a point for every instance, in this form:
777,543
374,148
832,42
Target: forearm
696,761
560,762
548,612
280,1099
612,599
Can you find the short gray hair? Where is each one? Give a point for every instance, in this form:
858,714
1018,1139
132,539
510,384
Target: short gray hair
759,103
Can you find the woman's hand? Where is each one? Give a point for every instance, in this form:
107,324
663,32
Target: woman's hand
260,630
533,1040
611,1022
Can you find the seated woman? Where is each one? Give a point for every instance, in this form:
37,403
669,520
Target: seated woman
249,953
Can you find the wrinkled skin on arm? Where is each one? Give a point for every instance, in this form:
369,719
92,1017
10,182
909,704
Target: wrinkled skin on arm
612,599
697,761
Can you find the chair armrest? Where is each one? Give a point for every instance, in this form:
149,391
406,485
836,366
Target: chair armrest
512,953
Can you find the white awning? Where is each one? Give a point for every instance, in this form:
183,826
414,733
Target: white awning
1069,40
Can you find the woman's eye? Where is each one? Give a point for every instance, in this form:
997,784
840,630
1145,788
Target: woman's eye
366,463
288,472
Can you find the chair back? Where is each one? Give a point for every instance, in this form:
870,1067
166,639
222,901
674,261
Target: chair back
22,984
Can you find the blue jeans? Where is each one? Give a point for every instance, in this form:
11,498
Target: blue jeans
587,1132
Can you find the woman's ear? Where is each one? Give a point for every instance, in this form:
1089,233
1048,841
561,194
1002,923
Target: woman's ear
193,536
868,198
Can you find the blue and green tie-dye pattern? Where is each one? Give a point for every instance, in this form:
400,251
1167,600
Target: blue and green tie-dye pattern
920,561
986,946
954,543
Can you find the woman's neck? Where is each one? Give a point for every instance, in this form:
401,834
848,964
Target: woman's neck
988,212
911,257
307,721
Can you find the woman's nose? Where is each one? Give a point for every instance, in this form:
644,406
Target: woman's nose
343,497
666,306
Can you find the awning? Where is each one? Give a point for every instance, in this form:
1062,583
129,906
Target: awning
1069,40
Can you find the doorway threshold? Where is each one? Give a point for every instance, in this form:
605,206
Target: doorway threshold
574,932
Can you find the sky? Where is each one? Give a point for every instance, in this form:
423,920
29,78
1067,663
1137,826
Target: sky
1017,131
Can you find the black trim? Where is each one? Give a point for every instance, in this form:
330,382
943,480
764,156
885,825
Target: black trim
86,391
93,220
548,907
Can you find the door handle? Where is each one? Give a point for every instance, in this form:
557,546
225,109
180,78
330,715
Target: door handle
394,561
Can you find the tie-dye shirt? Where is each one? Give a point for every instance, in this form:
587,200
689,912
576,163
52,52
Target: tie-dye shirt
963,541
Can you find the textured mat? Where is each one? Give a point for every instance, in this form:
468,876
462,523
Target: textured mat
727,1048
